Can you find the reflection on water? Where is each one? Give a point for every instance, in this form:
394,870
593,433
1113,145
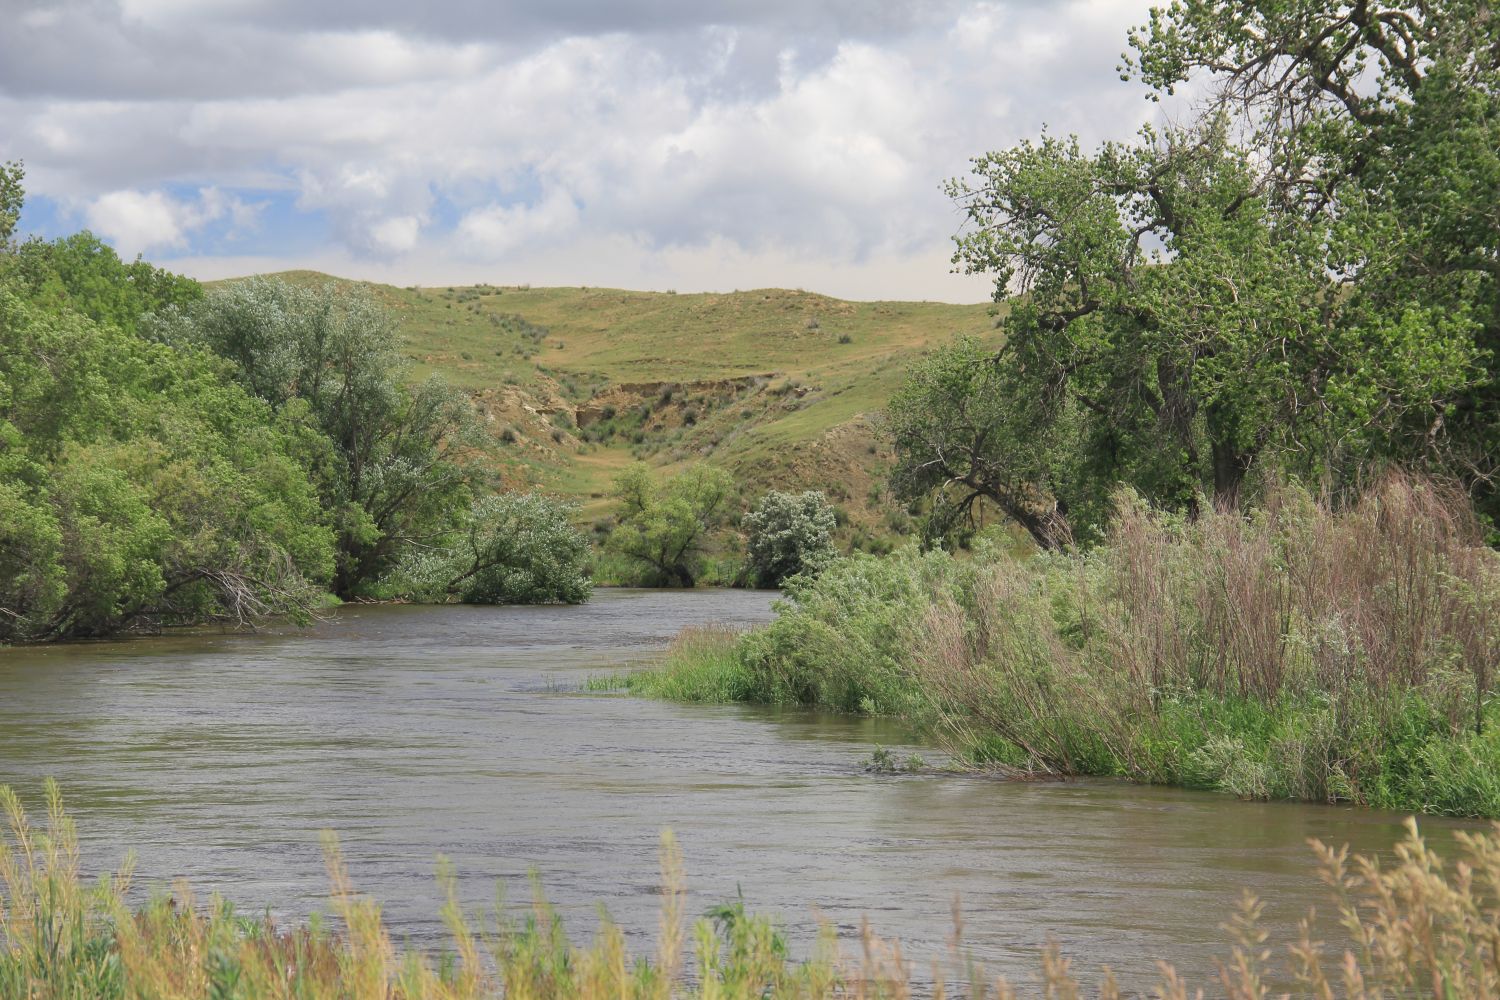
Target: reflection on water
415,731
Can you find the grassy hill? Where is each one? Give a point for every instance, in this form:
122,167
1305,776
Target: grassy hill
781,387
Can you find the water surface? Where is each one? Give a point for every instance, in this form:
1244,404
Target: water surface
419,731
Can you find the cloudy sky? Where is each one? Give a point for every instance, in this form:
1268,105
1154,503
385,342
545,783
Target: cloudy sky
687,144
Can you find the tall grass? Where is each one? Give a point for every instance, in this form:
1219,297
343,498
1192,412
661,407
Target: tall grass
1301,651
1413,928
705,667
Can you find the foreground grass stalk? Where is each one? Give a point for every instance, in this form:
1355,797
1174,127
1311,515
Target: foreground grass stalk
1416,928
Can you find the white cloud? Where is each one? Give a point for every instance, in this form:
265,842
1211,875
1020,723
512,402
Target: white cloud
671,145
138,221
496,230
383,57
396,235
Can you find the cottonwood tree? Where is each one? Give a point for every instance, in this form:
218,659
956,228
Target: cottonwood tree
1383,118
1244,292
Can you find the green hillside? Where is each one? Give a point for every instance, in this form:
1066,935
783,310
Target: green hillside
779,386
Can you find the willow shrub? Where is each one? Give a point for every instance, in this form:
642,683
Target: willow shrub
511,548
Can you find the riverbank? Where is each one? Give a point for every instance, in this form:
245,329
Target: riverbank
421,730
1300,653
1412,928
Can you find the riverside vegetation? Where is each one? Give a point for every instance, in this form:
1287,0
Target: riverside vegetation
172,454
1301,652
1295,281
1415,926
172,457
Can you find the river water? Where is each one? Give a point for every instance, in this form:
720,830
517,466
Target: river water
419,731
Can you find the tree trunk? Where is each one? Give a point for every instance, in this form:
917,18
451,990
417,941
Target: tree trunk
1047,524
1230,466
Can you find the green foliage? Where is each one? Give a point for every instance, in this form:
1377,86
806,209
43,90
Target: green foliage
967,428
840,640
1300,653
883,761
85,275
843,640
398,473
138,486
1300,280
789,534
11,197
515,548
702,665
663,529
1384,120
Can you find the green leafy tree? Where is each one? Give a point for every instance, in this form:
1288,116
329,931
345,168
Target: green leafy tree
516,548
789,533
664,529
968,429
138,486
399,472
1384,120
1243,294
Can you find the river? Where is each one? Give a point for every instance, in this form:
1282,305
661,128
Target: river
419,731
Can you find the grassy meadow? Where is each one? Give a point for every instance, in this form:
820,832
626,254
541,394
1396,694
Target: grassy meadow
781,387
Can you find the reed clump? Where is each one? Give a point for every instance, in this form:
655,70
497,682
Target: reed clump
706,668
1298,651
1417,926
